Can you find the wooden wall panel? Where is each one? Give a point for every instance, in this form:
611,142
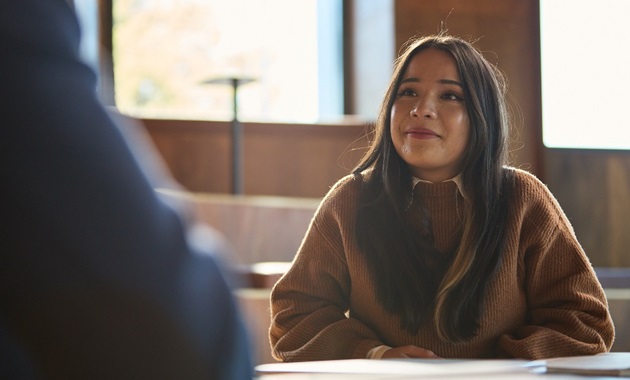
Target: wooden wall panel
196,152
593,187
298,160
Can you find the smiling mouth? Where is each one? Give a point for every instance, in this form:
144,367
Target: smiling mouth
421,134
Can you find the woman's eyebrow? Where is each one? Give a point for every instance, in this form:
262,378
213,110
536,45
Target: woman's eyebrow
410,79
451,81
441,81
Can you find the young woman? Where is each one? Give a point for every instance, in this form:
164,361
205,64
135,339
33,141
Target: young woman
433,247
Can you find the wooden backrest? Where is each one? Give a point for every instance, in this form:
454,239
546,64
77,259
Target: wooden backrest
257,228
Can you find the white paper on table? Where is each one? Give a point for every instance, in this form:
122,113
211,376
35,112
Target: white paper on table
401,366
606,364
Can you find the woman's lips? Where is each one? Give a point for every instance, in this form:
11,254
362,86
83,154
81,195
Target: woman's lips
421,134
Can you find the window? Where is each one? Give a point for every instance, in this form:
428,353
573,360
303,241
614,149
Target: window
164,51
585,75
87,14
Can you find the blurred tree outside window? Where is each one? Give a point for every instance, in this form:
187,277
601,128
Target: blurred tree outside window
163,51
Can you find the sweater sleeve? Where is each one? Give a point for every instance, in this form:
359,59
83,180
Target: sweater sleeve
310,303
567,308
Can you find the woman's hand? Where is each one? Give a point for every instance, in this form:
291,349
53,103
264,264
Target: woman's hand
409,352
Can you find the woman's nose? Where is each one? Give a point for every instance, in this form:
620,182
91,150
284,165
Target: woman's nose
424,108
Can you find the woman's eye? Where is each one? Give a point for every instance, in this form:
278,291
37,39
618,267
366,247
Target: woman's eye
452,96
407,92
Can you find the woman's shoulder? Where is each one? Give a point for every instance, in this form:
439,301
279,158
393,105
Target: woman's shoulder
340,203
527,182
531,193
345,189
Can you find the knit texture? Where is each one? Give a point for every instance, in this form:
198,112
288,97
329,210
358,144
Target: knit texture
544,300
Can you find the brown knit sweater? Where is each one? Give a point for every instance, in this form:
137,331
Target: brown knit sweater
544,301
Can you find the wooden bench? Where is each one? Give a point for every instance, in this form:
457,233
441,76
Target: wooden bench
257,228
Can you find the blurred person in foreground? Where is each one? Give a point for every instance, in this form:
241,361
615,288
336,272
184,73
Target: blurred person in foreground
98,277
433,246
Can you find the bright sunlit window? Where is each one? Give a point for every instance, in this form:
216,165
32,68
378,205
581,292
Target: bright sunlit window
164,51
585,75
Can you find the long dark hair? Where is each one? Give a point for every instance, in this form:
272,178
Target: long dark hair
401,263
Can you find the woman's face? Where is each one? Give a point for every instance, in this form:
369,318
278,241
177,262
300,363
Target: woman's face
429,123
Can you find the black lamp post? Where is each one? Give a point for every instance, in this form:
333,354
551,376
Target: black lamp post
237,131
